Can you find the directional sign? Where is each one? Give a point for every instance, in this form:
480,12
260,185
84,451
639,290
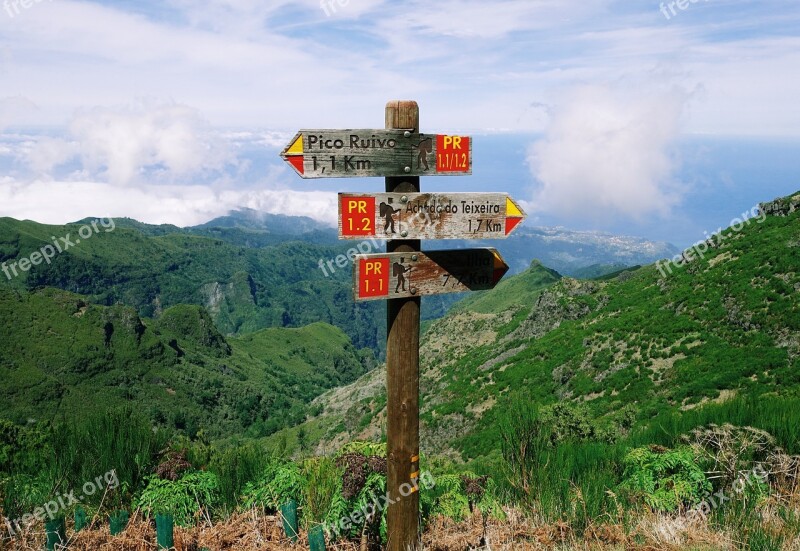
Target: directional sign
428,215
403,275
352,153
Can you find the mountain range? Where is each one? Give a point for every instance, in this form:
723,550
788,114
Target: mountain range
722,327
253,270
230,328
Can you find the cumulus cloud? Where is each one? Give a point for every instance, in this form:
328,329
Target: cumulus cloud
55,202
160,142
608,152
150,164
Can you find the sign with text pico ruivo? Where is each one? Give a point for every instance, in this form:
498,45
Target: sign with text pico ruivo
355,153
414,274
428,215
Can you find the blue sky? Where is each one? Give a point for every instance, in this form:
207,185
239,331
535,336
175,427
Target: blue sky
174,111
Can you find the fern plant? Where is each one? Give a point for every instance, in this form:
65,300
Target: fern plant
449,499
367,507
184,498
23,493
456,496
666,479
280,483
358,508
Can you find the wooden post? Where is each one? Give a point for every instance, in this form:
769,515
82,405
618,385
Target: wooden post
402,374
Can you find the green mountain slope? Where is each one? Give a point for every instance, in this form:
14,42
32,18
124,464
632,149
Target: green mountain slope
253,270
357,411
716,328
153,267
62,356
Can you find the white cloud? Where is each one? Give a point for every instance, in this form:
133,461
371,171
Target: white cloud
13,110
470,63
52,202
45,153
158,141
282,65
607,153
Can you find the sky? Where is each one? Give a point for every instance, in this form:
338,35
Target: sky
596,114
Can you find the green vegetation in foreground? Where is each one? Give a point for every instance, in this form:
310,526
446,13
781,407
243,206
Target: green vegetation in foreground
556,463
159,472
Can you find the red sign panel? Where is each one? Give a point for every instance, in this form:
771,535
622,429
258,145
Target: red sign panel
452,153
358,216
373,277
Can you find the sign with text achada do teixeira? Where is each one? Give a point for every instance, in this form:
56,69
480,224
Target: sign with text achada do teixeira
427,215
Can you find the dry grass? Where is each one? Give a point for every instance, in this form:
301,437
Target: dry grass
671,533
243,532
259,532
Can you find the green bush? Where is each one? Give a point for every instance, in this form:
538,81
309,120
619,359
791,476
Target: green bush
456,496
665,479
23,493
184,498
279,483
364,501
358,507
324,483
235,467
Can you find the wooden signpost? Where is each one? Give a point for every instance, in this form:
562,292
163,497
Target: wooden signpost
403,274
399,275
351,153
428,215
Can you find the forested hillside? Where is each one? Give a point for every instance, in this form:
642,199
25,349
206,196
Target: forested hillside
62,357
624,350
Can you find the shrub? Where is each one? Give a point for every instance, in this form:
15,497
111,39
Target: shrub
324,482
666,479
279,483
457,495
184,498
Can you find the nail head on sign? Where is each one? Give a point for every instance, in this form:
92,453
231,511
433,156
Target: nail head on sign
408,169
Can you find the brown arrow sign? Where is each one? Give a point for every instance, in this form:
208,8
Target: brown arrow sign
356,153
403,275
428,215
